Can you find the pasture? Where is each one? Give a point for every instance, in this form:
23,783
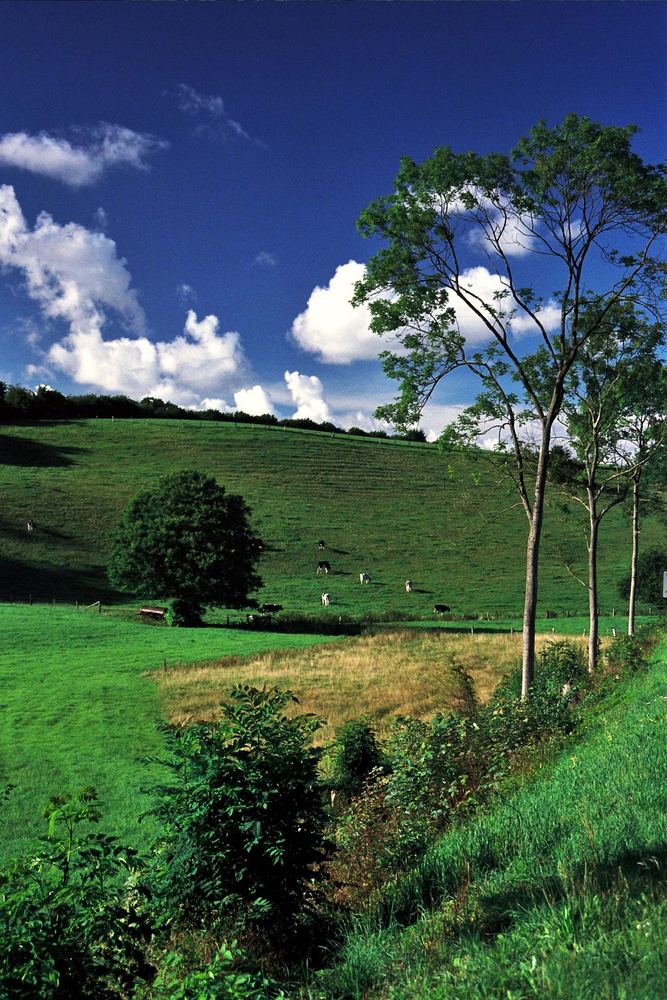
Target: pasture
77,706
394,510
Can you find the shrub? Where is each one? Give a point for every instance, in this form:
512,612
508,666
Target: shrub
69,921
242,820
354,755
219,977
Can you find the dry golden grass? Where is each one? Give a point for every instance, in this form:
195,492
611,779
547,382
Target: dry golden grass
379,676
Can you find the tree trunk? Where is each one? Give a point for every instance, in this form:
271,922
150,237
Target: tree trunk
532,565
633,561
593,629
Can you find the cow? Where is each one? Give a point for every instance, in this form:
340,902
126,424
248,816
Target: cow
325,600
30,527
440,609
364,578
270,609
323,566
408,586
321,544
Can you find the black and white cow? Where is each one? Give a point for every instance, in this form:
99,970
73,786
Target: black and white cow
325,600
440,609
364,578
323,566
321,544
408,586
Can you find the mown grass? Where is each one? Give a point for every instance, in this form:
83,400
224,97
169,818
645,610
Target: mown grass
77,709
393,510
558,891
377,676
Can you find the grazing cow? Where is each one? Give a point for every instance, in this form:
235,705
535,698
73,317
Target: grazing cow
30,526
321,544
364,578
408,586
323,566
270,609
325,600
440,609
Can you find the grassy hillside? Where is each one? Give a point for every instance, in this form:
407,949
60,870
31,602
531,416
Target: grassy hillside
391,509
557,890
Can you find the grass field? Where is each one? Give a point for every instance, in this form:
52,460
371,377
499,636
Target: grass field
390,509
378,676
77,709
557,890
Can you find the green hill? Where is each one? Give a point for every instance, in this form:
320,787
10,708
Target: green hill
391,509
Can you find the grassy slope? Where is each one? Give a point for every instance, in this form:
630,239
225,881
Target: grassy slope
76,708
394,510
558,891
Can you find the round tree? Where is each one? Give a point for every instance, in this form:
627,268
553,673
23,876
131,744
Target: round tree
190,540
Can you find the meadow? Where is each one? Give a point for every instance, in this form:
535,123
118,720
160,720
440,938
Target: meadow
78,707
393,509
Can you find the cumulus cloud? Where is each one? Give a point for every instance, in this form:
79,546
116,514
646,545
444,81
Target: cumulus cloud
71,272
181,370
509,230
99,148
307,392
331,328
76,276
254,401
211,115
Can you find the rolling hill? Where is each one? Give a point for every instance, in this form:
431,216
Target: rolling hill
393,509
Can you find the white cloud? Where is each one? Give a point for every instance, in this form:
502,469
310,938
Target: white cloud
76,276
307,392
211,114
254,401
71,272
331,328
181,370
186,294
101,219
103,147
511,231
265,259
214,404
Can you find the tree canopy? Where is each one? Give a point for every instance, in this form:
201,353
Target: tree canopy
190,540
571,205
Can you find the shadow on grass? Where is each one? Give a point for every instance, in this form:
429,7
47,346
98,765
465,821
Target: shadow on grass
21,580
26,452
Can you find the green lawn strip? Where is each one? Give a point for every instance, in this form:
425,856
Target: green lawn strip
76,708
558,891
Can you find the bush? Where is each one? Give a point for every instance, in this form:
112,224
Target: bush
354,755
221,977
243,820
70,925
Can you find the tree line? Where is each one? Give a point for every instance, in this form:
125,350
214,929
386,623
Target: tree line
18,403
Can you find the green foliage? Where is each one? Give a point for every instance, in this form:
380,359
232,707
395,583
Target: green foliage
450,764
70,915
651,565
190,540
242,821
218,978
556,888
354,755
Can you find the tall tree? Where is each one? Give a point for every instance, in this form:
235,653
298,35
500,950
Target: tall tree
573,203
644,432
600,393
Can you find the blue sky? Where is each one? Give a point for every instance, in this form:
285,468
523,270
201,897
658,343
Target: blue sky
178,180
